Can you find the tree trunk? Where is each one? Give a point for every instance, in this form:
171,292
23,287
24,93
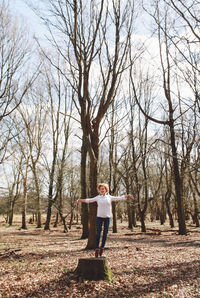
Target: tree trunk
48,218
167,198
133,216
56,220
196,211
71,220
142,220
64,223
94,269
24,203
138,186
162,213
84,207
11,211
178,185
113,166
93,188
92,226
130,220
38,200
114,217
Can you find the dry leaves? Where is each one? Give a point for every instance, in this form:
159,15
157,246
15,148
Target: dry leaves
37,263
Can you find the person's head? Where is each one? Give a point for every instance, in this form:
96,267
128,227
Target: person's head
103,188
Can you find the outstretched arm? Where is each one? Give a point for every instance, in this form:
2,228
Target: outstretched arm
122,197
129,196
79,200
87,201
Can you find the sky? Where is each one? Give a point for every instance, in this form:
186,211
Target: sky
21,10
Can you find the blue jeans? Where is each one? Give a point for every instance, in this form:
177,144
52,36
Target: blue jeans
99,222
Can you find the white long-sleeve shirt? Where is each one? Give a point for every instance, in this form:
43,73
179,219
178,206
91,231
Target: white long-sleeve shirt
104,204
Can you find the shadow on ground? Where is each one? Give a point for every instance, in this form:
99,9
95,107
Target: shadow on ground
162,242
165,277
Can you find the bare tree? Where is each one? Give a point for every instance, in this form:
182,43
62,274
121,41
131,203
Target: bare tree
114,156
195,192
13,190
141,135
34,116
96,36
126,173
62,160
59,99
111,155
169,65
168,169
14,81
21,156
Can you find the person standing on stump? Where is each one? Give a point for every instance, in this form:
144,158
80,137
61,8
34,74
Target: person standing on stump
104,212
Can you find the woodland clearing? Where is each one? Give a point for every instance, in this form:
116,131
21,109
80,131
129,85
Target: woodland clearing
158,263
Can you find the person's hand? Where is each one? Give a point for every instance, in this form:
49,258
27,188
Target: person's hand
76,202
130,196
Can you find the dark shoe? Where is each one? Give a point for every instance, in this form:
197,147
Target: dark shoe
96,253
101,251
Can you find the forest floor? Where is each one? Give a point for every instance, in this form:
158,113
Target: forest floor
159,263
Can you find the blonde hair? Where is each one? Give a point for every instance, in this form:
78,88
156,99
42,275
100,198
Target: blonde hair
104,185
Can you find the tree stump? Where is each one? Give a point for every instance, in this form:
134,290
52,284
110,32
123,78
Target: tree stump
94,269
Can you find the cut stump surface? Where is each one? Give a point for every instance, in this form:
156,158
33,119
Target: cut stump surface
94,269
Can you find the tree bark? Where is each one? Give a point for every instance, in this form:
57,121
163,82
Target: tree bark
56,220
10,213
196,211
24,203
133,215
167,198
38,200
130,219
48,216
94,135
84,207
177,183
114,217
142,220
94,269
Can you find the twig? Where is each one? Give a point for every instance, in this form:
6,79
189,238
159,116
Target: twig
8,252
